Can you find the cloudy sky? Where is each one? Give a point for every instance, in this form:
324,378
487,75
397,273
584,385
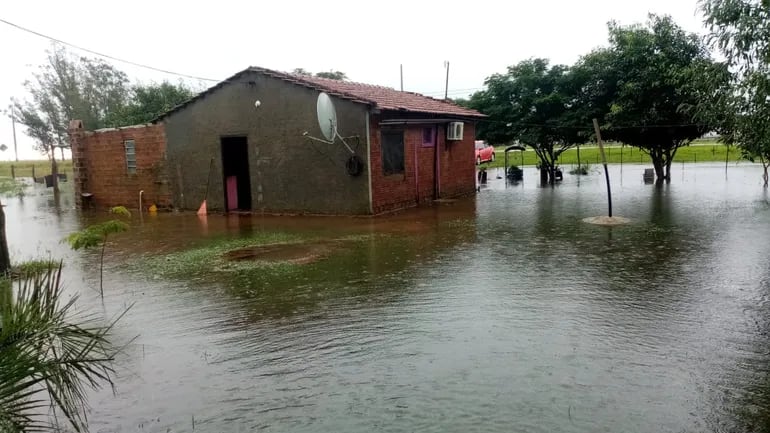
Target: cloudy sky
366,40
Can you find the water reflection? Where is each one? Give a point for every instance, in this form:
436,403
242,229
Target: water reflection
502,312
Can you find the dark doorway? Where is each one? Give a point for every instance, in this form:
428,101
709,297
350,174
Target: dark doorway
235,168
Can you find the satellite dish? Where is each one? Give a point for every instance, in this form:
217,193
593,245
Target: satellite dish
327,116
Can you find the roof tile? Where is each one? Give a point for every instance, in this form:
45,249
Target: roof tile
384,98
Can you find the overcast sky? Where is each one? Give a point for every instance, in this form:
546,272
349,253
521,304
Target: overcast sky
366,40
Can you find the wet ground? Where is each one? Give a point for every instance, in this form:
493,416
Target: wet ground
502,312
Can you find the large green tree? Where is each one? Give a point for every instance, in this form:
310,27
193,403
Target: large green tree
651,88
530,104
66,88
741,30
148,101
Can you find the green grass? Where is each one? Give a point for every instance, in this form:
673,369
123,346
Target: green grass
701,151
208,259
33,268
11,187
24,168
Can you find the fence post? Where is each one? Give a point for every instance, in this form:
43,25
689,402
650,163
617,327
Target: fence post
33,171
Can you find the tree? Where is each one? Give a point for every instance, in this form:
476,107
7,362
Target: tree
67,88
332,75
97,234
46,359
530,104
148,102
656,83
741,30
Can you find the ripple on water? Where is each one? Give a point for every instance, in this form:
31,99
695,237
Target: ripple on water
502,313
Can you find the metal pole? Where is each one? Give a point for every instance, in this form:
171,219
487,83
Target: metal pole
727,156
446,88
401,67
604,162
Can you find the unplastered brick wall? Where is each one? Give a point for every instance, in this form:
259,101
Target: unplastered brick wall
416,185
100,166
458,166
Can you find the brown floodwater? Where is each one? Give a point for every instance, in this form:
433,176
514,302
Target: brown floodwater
500,312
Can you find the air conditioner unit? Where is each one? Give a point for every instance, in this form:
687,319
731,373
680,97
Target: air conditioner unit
454,131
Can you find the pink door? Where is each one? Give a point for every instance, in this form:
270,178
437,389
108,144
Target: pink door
232,192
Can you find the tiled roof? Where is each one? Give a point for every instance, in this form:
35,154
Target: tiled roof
384,98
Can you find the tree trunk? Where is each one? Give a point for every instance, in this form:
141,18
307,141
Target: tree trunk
668,170
54,173
657,163
765,165
62,153
5,258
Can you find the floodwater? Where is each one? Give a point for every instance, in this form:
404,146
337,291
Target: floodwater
502,312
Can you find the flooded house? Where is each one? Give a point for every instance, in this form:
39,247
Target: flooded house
275,142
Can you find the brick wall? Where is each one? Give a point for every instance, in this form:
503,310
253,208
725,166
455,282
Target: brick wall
416,185
458,166
99,165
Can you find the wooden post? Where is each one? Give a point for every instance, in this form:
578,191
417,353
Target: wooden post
33,171
604,162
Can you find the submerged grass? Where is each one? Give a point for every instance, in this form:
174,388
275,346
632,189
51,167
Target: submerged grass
12,187
33,268
209,259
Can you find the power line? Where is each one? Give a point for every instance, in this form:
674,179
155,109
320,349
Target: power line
107,56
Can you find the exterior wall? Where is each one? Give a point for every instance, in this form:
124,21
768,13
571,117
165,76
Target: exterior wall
458,165
288,172
99,165
417,185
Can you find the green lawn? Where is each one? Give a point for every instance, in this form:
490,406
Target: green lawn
701,151
24,168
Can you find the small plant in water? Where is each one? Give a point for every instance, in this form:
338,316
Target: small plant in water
581,170
96,235
12,188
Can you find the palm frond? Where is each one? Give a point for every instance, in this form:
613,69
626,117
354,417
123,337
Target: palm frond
49,355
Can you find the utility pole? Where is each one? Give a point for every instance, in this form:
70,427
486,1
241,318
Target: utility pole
401,66
13,127
446,88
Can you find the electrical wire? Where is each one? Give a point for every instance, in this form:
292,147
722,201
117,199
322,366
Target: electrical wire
106,56
453,92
